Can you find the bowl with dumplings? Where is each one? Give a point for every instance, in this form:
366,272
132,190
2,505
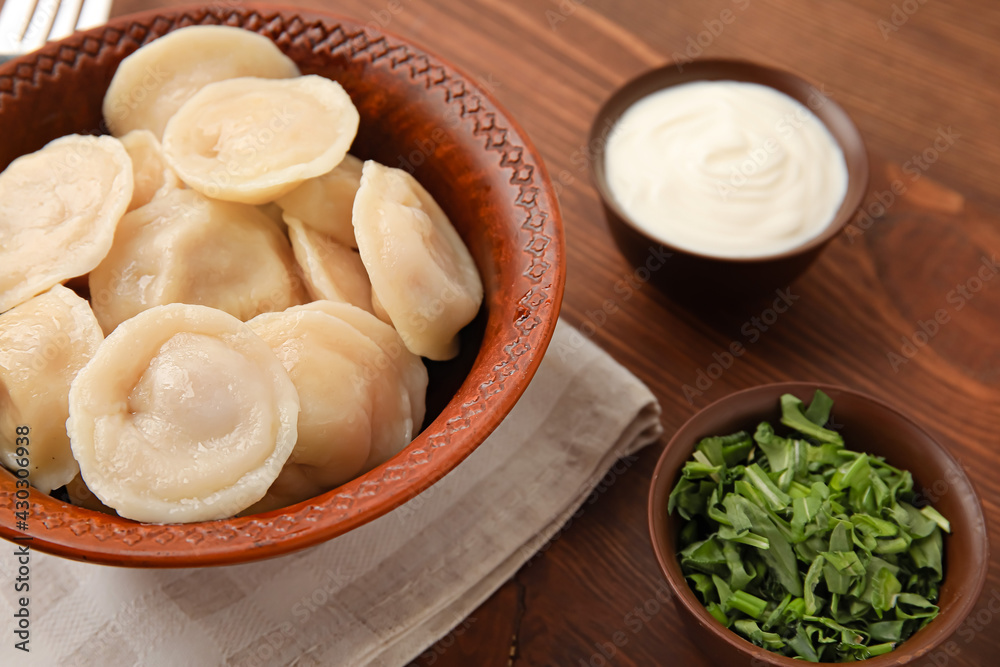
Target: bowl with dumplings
265,275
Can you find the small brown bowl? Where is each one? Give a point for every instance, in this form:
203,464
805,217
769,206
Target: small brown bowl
691,275
868,425
418,113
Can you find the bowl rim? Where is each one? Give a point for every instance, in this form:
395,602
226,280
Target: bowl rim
740,70
287,538
684,597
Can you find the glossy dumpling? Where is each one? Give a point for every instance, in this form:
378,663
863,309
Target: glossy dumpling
331,271
58,210
150,85
325,203
349,417
150,171
409,366
185,248
252,140
182,415
44,342
426,280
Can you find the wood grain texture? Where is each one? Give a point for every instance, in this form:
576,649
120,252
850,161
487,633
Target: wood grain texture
552,64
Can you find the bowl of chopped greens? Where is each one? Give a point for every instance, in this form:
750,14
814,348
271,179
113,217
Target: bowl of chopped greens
803,522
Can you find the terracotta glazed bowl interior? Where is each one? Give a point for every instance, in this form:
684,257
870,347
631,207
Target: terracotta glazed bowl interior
867,425
418,113
691,275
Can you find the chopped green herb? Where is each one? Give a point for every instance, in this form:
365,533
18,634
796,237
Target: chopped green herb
804,547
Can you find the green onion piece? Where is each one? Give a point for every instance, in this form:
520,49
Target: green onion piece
716,611
818,411
775,497
802,646
879,649
794,417
749,604
936,517
886,631
927,552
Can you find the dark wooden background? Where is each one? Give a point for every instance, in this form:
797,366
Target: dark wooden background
552,64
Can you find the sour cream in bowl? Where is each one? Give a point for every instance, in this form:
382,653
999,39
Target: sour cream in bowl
741,173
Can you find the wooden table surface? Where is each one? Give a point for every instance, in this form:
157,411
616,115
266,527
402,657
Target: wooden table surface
909,72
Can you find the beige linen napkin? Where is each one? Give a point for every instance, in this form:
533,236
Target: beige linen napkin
379,595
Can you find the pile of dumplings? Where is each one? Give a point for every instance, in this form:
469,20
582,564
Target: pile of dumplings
217,310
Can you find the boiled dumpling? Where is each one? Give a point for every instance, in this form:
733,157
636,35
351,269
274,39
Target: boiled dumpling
182,415
331,271
351,419
58,210
411,369
325,203
426,280
321,356
151,84
44,342
185,248
150,170
252,140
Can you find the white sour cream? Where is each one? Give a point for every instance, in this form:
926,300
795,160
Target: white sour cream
726,169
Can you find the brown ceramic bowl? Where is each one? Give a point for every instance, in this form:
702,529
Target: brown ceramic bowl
416,110
692,275
868,425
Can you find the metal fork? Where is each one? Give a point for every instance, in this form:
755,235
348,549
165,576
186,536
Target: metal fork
26,25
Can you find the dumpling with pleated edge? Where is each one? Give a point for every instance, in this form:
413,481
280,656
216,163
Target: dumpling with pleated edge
59,208
425,280
151,84
150,171
325,203
410,367
253,140
182,415
331,271
44,342
356,412
185,248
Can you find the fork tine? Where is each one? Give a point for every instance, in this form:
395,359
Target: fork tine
65,22
93,13
13,21
37,32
